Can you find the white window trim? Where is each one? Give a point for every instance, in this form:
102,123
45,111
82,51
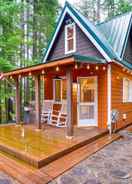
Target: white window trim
54,91
74,38
129,100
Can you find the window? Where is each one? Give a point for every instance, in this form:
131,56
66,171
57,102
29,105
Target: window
59,90
70,38
127,90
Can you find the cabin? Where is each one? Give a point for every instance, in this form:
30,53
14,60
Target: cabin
87,69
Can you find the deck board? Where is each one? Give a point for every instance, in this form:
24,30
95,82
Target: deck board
29,175
45,146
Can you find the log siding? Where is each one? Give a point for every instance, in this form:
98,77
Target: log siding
117,96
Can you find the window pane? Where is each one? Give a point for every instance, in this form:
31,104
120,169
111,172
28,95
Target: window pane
87,93
126,90
70,32
70,44
57,90
70,36
87,112
130,91
64,91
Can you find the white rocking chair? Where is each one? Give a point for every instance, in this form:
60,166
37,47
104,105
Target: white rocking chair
54,117
46,111
62,119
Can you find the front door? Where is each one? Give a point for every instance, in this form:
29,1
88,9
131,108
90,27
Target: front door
87,101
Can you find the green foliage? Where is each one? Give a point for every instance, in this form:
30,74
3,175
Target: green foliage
25,28
9,34
123,6
98,10
5,65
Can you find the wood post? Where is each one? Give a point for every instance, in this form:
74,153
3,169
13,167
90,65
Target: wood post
37,101
69,103
17,101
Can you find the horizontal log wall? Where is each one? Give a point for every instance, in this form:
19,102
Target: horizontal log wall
117,95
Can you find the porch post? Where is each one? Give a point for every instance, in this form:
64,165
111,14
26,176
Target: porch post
17,100
37,101
109,123
69,128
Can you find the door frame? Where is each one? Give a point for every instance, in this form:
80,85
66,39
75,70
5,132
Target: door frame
96,101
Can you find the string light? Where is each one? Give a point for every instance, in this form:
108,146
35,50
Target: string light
76,67
43,72
19,76
30,74
104,68
96,67
88,67
57,68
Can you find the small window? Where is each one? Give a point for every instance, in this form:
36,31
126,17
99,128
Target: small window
59,90
127,90
70,38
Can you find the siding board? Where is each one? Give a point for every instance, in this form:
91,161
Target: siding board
117,95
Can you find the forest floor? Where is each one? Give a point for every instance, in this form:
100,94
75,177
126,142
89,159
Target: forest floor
111,165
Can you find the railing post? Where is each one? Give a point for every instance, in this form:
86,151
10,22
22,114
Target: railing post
69,128
17,100
37,101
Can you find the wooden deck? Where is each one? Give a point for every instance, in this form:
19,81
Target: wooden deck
39,148
25,174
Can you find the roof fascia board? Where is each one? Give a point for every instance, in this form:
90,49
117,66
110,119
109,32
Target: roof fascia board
90,37
67,10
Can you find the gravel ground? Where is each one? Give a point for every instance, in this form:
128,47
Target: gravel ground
111,165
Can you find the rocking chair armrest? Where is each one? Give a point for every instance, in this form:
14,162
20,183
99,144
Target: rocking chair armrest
46,112
63,114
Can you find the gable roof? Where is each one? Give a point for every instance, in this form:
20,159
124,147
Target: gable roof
116,31
92,33
109,37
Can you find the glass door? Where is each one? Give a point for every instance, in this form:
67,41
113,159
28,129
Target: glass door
87,101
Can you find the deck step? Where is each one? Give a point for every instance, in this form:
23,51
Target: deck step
40,162
28,175
66,162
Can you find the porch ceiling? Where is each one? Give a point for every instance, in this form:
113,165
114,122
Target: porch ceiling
67,61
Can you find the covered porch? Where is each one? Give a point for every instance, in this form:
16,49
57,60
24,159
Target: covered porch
80,81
